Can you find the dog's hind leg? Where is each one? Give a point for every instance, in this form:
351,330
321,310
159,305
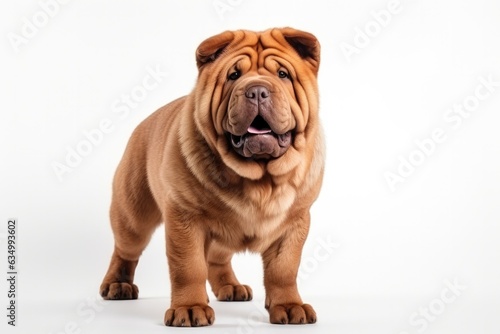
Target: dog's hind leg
134,217
221,277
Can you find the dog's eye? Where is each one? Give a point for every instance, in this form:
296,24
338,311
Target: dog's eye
235,75
282,74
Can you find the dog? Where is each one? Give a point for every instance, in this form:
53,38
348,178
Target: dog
233,166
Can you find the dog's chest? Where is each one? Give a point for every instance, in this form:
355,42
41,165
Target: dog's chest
258,216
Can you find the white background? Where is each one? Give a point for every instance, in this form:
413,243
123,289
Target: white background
390,252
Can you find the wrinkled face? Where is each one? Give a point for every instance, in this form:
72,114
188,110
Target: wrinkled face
261,88
259,123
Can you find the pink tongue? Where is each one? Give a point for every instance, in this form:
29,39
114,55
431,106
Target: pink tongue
253,130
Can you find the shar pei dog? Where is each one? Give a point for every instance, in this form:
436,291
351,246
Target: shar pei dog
233,166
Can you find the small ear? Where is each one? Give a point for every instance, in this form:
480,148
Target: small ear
306,44
212,47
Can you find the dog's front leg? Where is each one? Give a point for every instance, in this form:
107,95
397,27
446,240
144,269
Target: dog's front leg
186,249
281,264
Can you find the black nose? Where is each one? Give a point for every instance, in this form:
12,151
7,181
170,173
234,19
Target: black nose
257,93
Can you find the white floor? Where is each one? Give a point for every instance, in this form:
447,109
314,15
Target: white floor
342,315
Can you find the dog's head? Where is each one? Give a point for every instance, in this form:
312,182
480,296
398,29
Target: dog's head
257,97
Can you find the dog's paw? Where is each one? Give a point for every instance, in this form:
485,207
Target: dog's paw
189,316
234,293
119,291
292,314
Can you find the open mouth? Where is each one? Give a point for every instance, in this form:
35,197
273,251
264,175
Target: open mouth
259,126
260,141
